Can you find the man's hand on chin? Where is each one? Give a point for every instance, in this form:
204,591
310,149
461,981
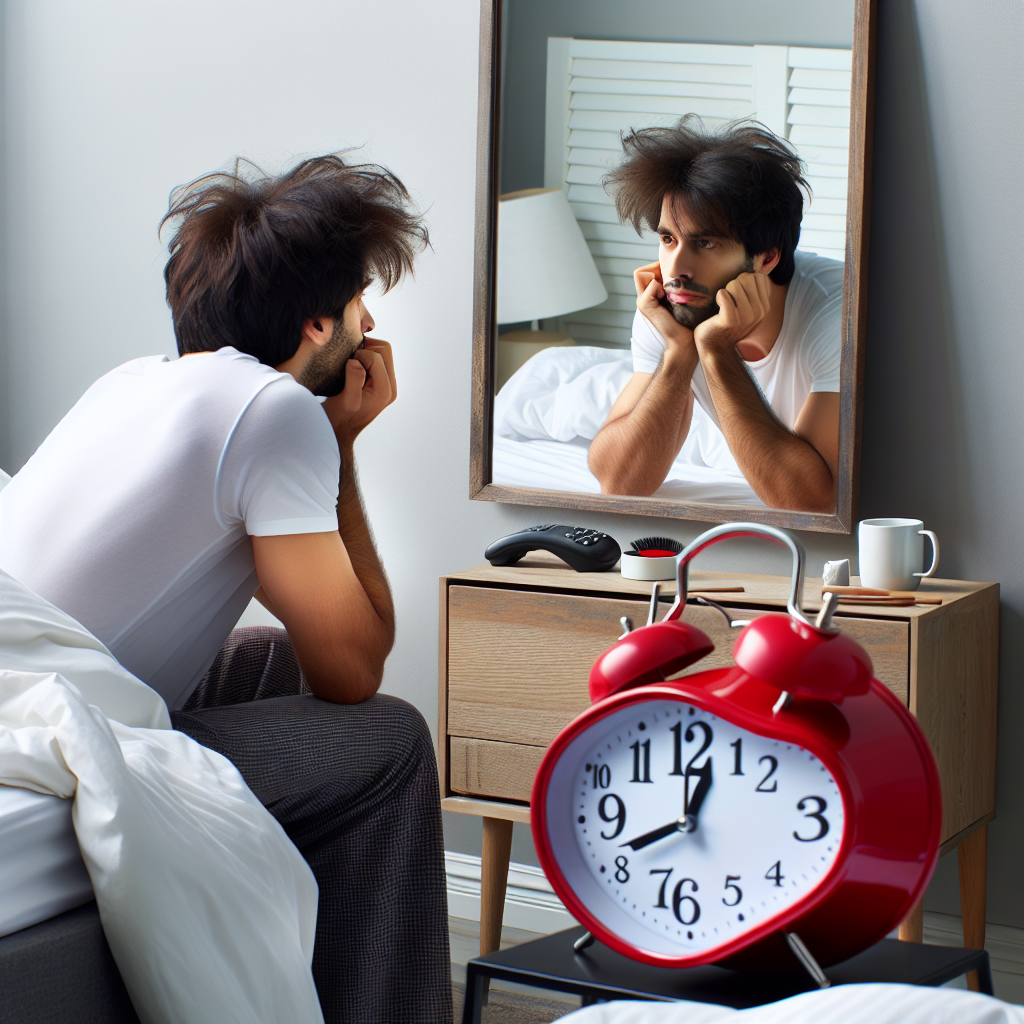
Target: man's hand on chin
370,388
742,304
650,296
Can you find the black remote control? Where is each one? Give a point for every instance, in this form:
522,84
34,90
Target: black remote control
584,550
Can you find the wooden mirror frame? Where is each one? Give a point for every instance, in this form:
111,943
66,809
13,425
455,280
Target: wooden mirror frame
854,310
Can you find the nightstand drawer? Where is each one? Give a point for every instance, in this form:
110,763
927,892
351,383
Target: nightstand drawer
504,771
518,661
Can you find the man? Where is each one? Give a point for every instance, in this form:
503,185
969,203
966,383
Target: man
175,490
736,340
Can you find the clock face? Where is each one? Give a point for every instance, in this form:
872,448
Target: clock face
680,831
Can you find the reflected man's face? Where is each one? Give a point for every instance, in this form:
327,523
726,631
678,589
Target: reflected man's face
695,265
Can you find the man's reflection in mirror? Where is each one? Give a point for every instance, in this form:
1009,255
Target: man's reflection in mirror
736,339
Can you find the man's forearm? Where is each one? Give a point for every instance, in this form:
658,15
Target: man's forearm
784,470
358,541
633,454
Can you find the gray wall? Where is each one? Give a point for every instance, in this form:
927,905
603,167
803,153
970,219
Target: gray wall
110,104
529,23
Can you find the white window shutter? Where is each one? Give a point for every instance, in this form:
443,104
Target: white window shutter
819,130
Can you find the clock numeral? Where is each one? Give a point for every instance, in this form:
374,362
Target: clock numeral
730,883
602,775
774,873
636,748
621,874
773,765
819,817
661,891
738,767
678,899
677,752
677,749
619,817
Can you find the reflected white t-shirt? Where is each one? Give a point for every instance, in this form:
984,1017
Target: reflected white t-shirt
804,358
134,515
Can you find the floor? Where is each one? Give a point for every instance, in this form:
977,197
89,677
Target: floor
509,1003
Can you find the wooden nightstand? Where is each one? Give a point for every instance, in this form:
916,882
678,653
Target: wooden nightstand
516,646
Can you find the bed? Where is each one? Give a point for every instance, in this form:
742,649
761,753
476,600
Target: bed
562,466
550,410
40,863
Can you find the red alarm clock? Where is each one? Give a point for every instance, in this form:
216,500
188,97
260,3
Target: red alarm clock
704,819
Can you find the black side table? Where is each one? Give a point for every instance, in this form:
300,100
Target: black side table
599,974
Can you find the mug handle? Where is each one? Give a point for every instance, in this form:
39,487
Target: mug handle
935,554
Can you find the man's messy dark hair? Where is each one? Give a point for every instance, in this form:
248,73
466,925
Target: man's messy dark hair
253,256
742,182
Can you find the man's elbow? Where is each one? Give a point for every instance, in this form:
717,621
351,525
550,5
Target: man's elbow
822,499
615,478
347,680
618,481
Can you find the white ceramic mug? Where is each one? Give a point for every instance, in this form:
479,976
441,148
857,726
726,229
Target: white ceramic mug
892,551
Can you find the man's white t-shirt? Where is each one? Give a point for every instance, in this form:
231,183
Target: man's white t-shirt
804,358
134,515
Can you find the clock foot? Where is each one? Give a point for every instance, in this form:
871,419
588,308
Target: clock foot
807,961
586,939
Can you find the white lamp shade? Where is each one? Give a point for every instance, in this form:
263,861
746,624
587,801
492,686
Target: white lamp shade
544,266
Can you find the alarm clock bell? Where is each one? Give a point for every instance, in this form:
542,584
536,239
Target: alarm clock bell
804,800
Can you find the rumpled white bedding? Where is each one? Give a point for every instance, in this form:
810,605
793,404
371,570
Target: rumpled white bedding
562,393
552,407
41,869
208,907
842,1004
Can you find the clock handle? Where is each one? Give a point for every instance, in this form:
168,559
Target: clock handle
727,531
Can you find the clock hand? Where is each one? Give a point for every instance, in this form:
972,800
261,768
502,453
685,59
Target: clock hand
692,804
682,824
688,822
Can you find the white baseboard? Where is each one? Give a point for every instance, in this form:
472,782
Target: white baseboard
530,902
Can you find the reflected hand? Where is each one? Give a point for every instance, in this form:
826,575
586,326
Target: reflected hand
742,304
650,292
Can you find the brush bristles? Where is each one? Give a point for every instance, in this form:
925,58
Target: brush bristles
665,544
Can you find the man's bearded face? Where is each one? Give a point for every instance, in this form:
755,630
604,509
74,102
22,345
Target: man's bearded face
696,312
695,263
324,374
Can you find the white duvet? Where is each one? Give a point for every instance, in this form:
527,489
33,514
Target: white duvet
842,1004
208,907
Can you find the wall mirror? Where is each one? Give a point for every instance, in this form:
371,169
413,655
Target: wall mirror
561,355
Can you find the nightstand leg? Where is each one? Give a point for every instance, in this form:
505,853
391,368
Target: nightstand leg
912,928
972,856
497,851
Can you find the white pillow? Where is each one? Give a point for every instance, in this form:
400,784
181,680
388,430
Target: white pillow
562,393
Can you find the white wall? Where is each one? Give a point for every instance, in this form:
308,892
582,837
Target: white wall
110,104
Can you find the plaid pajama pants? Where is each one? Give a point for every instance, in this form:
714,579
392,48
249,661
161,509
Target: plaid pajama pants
355,788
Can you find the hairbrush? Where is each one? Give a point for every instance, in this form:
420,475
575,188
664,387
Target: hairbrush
655,547
650,558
